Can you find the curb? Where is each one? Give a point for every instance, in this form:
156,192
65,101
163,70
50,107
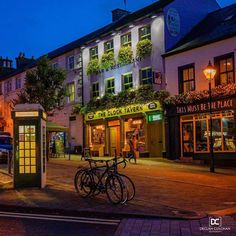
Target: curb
89,213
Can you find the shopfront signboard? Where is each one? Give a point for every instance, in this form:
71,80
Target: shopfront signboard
224,104
127,110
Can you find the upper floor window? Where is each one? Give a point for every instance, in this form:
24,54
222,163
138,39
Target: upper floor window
78,61
71,63
95,90
93,53
71,92
126,39
18,83
145,32
110,85
146,76
109,46
127,81
55,65
186,78
225,69
8,86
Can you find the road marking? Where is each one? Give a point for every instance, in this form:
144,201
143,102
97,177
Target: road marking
60,218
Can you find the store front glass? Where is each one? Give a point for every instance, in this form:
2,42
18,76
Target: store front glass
198,137
97,139
134,132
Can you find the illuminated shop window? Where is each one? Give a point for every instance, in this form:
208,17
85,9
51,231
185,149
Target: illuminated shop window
126,40
95,90
145,32
146,75
134,134
110,85
127,81
223,131
109,46
98,134
93,53
27,149
71,92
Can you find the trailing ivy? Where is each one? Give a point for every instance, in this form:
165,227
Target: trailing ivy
93,67
125,55
142,95
194,96
144,48
107,60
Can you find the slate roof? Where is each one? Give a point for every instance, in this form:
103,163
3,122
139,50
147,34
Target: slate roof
150,9
216,26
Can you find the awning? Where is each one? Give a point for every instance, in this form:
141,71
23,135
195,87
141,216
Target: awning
54,127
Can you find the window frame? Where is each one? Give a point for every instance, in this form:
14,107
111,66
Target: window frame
69,62
147,35
127,43
181,77
125,84
95,56
95,93
149,78
110,90
217,61
111,49
71,92
18,83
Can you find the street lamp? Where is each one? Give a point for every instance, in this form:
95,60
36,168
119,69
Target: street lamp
209,73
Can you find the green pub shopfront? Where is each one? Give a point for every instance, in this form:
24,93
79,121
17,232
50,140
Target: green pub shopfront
188,130
114,129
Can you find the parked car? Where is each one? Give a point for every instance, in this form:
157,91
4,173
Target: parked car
5,147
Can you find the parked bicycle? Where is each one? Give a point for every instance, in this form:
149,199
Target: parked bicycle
104,178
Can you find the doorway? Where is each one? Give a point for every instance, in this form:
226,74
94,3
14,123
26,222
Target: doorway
114,135
155,139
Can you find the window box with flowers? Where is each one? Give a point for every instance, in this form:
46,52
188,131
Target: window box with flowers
125,55
144,48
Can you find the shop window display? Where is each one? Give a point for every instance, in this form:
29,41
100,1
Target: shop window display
223,131
134,135
98,134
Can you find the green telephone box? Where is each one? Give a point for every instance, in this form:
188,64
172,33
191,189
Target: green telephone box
29,145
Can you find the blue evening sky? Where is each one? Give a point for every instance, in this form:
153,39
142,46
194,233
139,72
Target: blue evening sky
37,27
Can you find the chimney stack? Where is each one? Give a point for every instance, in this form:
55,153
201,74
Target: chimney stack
118,13
22,61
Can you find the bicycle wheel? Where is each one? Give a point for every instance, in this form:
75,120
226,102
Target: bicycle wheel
129,186
114,189
83,183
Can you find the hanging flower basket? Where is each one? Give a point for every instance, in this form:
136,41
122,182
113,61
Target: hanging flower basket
144,48
107,60
125,55
93,67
